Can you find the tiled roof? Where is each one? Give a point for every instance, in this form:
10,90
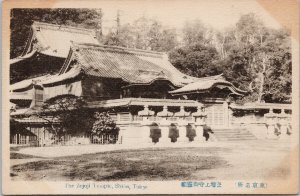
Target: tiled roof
27,83
207,83
130,65
55,40
57,78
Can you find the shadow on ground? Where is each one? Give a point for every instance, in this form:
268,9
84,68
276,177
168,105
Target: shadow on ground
142,164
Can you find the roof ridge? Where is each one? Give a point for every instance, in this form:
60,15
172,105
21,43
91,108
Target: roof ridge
37,23
116,48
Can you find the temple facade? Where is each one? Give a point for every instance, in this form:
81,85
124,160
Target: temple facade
141,90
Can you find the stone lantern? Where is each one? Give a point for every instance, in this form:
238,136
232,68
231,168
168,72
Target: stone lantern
200,117
164,124
283,121
145,114
146,123
182,123
270,119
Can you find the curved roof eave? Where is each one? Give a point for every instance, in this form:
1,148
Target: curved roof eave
27,84
212,85
150,82
59,78
22,58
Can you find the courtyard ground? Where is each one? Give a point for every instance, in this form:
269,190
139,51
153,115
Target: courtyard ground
257,159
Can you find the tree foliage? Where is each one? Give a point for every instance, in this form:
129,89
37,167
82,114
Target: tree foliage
104,125
144,33
251,56
196,32
196,60
66,114
260,59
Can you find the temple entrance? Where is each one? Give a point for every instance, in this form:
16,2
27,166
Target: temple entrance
215,115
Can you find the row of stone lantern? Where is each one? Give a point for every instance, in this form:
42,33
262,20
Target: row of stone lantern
146,122
277,124
182,124
200,115
164,123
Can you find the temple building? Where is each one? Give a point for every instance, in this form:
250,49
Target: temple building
140,90
48,44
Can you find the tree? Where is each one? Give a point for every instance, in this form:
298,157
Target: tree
196,32
258,59
22,19
104,125
66,114
165,41
196,60
250,29
124,37
278,78
143,33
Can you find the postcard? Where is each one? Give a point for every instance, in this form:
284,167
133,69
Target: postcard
150,97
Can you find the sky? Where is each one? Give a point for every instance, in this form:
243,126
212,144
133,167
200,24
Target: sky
215,13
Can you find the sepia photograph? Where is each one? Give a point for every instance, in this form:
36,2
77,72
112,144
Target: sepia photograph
160,97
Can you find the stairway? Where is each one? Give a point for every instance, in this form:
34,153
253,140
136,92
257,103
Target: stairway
233,134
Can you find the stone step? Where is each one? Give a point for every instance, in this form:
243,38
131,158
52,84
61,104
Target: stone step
236,134
236,139
229,130
233,134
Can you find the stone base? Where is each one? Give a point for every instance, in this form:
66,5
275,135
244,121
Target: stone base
164,135
182,134
135,135
271,132
199,134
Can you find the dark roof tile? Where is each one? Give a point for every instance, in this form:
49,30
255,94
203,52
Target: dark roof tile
133,66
